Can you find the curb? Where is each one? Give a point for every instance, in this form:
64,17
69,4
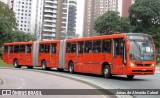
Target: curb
1,82
82,80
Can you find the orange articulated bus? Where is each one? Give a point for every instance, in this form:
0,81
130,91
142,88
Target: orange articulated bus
118,54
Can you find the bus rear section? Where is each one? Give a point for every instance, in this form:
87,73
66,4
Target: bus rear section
18,53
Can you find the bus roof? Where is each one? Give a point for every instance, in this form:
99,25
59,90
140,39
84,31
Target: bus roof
15,43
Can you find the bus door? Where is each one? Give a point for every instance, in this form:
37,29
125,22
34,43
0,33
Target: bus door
5,54
22,56
54,55
88,57
97,57
118,47
80,56
10,54
28,58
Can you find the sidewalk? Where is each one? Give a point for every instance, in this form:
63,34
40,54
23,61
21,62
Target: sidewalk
157,70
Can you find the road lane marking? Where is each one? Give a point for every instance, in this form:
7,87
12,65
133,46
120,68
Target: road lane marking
19,87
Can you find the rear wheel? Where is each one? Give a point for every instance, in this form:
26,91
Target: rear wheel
30,67
15,63
71,68
130,76
107,71
44,65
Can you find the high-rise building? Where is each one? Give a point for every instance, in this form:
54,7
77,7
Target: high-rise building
93,9
72,16
124,7
23,12
52,18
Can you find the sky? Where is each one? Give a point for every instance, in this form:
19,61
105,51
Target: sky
80,12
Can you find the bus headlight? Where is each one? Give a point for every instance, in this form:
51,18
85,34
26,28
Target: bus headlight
132,64
152,65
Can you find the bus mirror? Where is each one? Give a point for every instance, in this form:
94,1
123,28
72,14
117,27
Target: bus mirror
127,46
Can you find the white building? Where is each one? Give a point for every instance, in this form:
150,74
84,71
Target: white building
24,14
52,18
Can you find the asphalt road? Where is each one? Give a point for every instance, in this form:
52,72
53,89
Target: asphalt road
121,82
21,79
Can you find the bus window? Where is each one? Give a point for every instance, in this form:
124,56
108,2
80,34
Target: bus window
97,46
73,48
68,48
106,46
29,48
88,47
22,48
119,47
80,47
5,49
41,48
16,48
47,48
53,48
10,49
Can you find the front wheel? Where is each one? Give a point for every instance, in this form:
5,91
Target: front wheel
71,68
15,63
130,76
107,71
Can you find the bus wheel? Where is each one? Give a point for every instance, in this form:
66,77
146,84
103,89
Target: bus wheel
44,65
15,63
130,76
71,68
106,71
30,67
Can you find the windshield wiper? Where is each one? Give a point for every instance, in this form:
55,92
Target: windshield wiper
136,55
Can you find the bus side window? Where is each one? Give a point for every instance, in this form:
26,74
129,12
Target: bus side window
10,49
80,47
22,48
119,47
53,48
29,48
106,46
5,49
47,48
41,48
16,49
73,48
88,47
68,48
97,46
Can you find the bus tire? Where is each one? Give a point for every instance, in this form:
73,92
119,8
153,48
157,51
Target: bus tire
15,63
107,71
44,65
130,77
30,67
71,68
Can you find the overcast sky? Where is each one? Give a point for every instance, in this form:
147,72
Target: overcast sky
80,12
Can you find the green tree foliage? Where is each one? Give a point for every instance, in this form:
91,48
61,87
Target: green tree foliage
111,22
144,15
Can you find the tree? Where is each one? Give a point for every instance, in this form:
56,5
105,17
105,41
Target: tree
145,13
7,23
111,22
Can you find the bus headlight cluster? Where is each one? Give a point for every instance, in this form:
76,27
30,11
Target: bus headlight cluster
132,64
152,65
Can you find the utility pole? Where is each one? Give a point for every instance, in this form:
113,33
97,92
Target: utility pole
42,20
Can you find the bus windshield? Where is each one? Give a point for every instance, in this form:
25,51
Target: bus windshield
141,48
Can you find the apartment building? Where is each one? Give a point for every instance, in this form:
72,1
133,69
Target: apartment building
72,16
52,19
